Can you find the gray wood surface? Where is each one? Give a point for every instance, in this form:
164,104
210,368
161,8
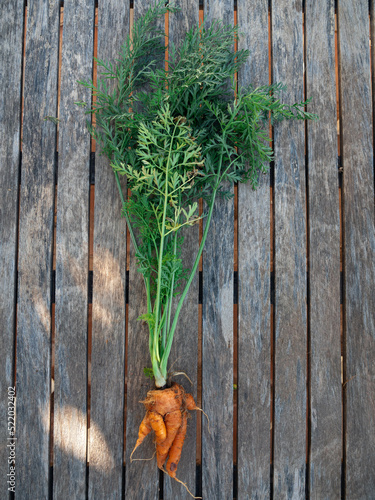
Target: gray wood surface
72,234
290,260
108,340
324,254
254,329
184,353
11,34
359,248
142,477
217,332
108,323
35,251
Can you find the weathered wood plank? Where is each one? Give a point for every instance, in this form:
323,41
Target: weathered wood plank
217,363
184,354
359,247
11,34
108,327
290,260
254,335
142,477
72,233
35,251
324,253
217,332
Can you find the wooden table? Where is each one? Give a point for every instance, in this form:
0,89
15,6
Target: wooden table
278,332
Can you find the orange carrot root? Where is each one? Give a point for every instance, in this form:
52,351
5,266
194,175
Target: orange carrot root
190,405
176,448
166,400
172,424
144,430
157,424
166,415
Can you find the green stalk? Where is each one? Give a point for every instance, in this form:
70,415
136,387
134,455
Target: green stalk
155,357
160,380
164,337
164,361
172,286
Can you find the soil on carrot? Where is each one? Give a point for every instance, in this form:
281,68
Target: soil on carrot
166,414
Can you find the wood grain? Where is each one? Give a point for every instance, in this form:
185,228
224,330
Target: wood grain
359,247
35,251
217,331
72,235
108,333
324,253
142,477
11,35
290,260
254,334
184,353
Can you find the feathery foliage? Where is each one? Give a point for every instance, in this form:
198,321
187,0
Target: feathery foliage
179,135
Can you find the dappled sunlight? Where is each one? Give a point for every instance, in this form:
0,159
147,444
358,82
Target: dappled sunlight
109,289
100,456
107,269
42,310
70,436
69,430
77,270
102,315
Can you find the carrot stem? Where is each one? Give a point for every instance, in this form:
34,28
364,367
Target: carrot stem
164,360
155,353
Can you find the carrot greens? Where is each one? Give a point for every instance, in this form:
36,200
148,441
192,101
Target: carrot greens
179,135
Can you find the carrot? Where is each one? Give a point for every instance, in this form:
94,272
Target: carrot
165,400
157,424
166,414
190,403
176,448
172,424
144,429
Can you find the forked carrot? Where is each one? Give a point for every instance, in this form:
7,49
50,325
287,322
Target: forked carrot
167,412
